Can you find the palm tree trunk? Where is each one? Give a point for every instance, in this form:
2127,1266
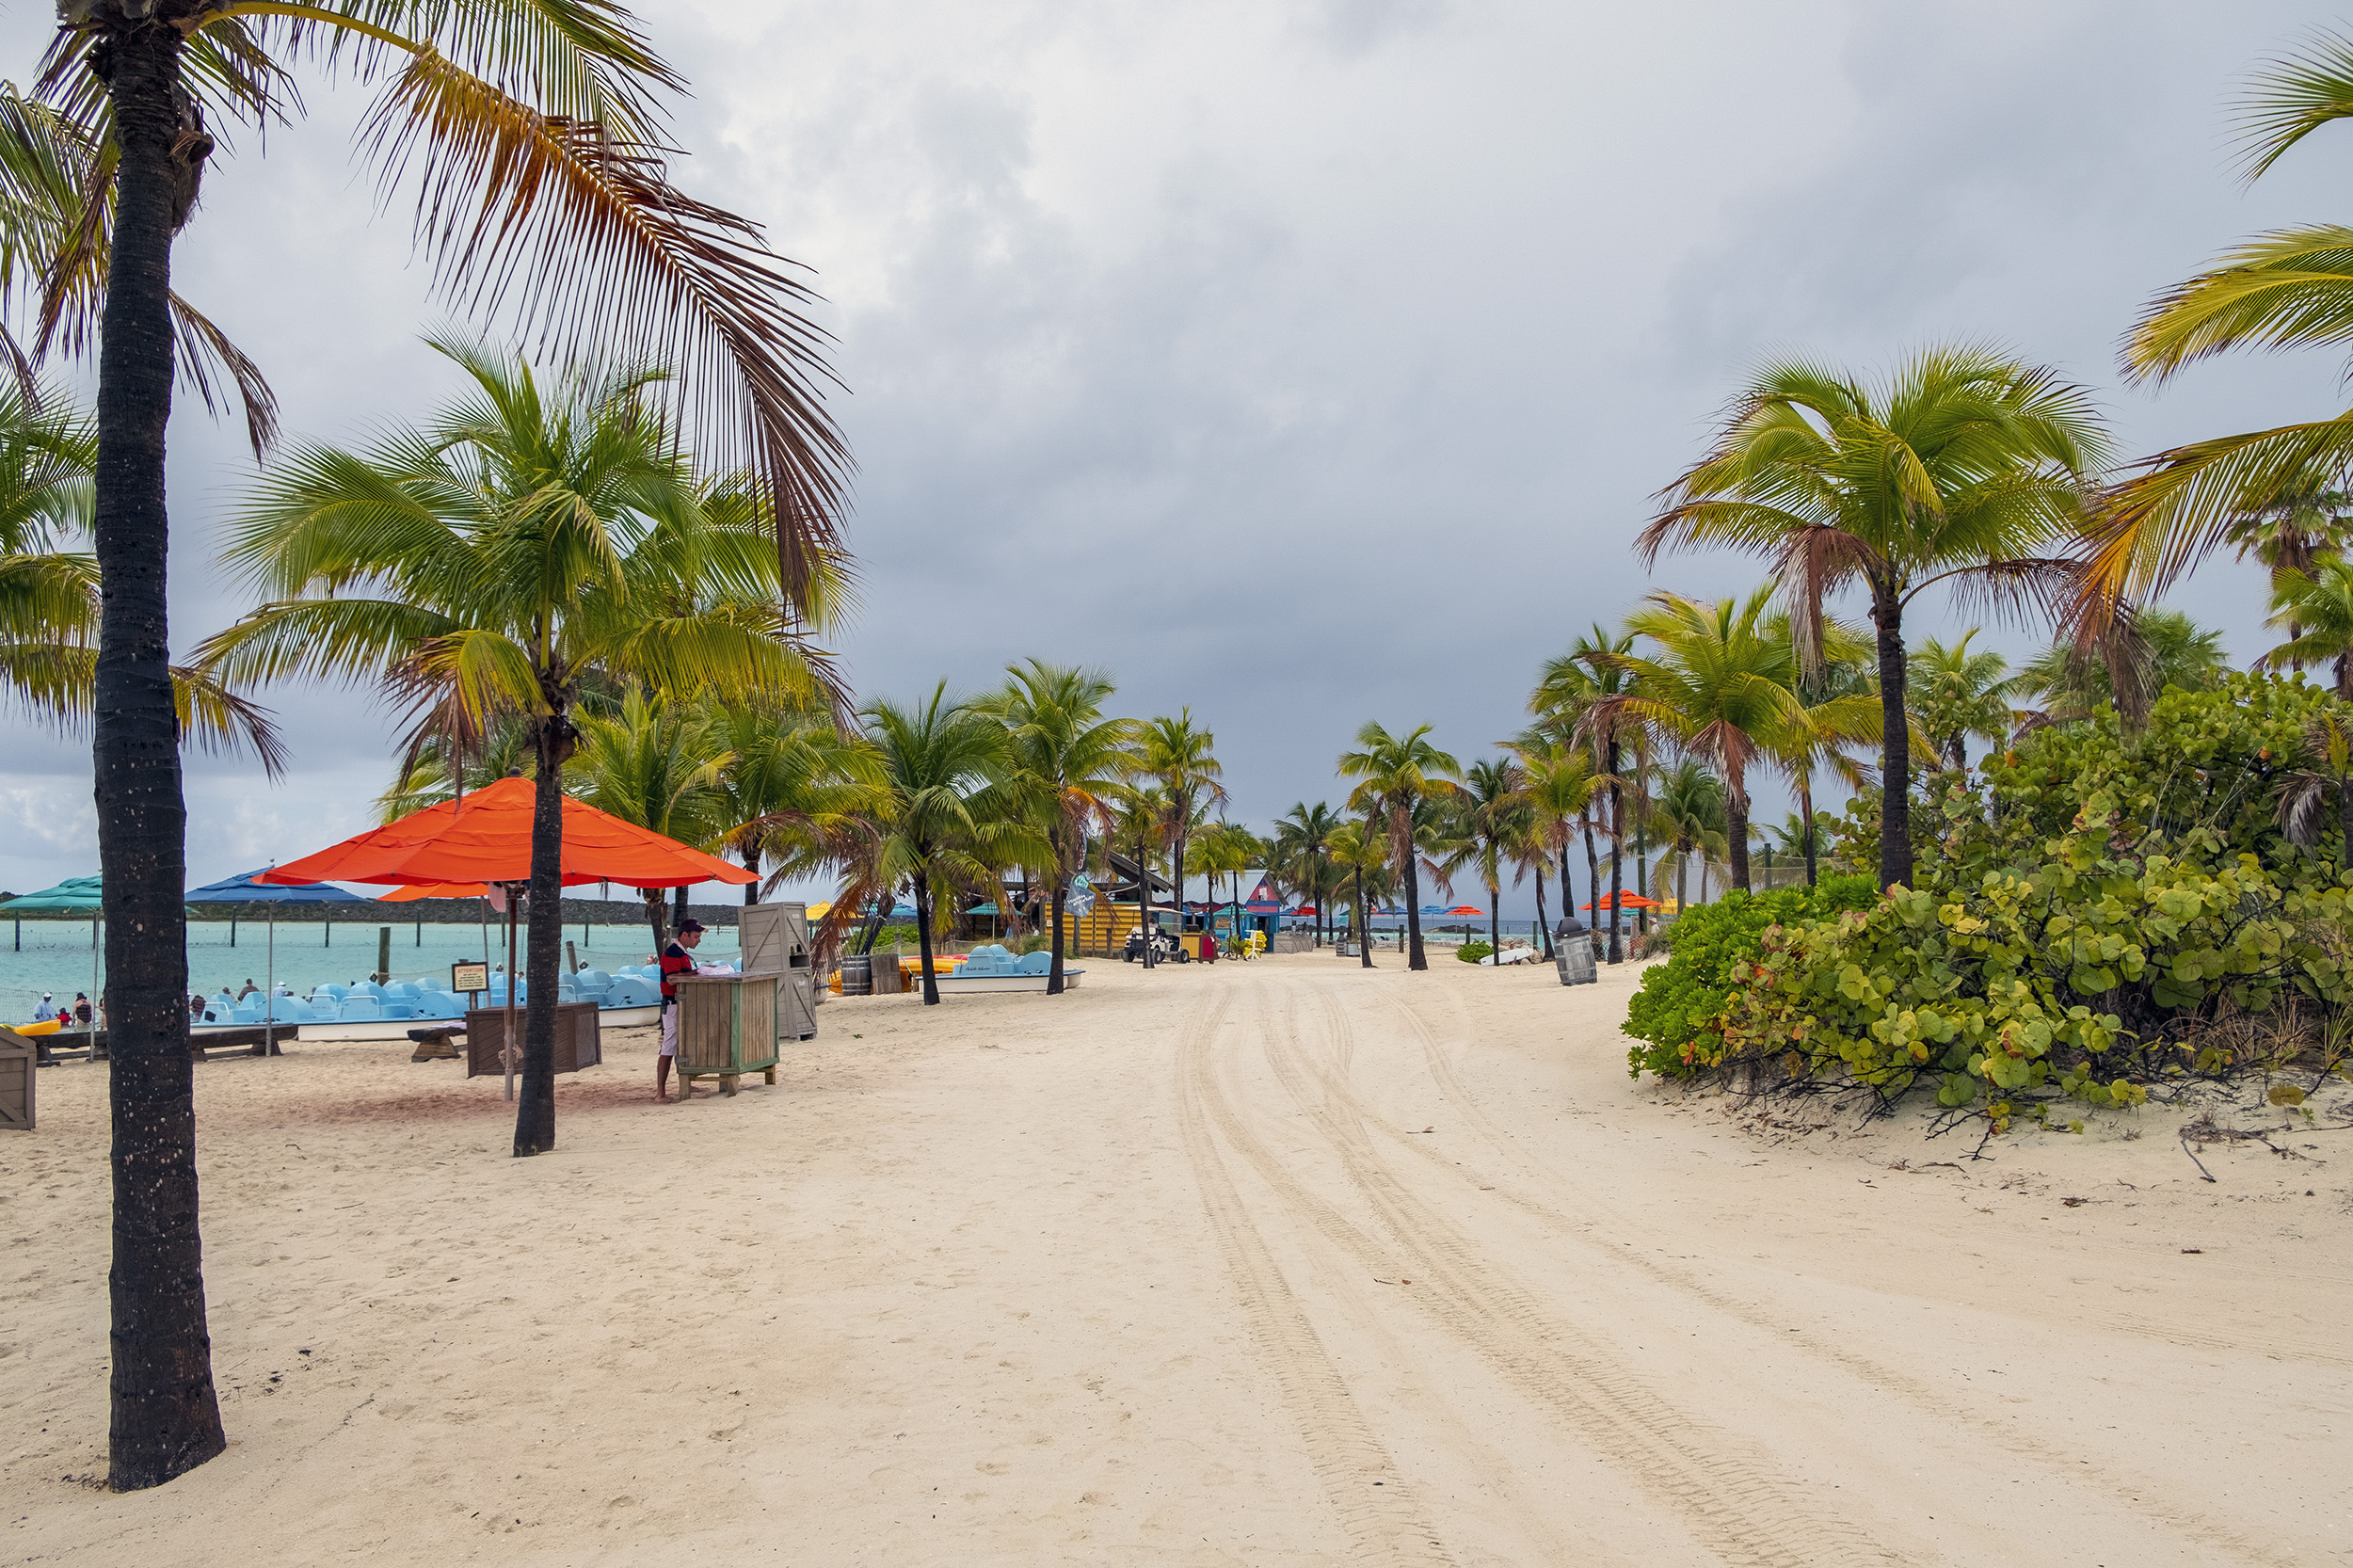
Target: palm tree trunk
1888,615
653,897
1364,924
534,1103
1805,804
1593,880
1543,925
1494,921
1053,974
1641,835
1143,901
1736,821
924,937
1617,859
678,906
751,864
164,1415
1416,958
1683,880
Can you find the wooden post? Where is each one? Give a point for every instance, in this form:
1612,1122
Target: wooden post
384,953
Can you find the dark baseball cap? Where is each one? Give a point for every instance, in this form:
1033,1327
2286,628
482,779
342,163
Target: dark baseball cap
687,925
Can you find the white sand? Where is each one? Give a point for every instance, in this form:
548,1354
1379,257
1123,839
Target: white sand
1171,1270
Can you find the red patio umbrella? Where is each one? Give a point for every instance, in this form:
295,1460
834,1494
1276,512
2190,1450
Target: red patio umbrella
1630,901
1465,909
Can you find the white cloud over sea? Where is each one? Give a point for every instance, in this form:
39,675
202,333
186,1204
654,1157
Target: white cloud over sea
1303,362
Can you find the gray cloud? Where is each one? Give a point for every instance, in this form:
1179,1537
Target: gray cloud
1304,364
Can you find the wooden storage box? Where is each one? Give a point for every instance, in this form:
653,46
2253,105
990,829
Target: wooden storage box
727,1026
19,1060
578,1041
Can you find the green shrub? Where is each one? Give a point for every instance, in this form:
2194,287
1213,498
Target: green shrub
2096,911
1677,1013
1471,953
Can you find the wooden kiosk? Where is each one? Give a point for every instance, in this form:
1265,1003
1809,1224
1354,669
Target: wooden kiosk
729,1025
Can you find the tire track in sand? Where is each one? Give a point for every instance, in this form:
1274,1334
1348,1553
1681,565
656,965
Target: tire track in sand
1563,1217
1734,1503
1374,1504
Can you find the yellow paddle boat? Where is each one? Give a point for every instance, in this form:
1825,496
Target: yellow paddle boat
46,1026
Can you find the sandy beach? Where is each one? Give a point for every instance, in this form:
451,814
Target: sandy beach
1284,1263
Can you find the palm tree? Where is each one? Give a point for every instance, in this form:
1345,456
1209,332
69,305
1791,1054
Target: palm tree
2170,649
1303,846
1360,853
1184,759
1722,689
659,762
2325,767
1960,695
486,564
1578,692
2316,610
796,793
1558,791
1068,761
1963,465
1395,773
1140,818
940,832
2287,289
537,137
1689,812
1493,819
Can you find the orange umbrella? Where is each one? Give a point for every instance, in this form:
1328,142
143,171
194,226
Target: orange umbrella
486,837
1630,901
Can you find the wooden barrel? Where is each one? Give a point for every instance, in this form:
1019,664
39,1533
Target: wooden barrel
857,975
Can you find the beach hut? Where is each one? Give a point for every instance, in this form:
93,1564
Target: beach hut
242,889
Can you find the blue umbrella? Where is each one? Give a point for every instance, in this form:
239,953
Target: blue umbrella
244,889
74,895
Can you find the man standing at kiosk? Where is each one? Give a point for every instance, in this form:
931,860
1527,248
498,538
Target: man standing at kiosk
678,958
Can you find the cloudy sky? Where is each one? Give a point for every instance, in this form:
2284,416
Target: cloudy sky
1303,361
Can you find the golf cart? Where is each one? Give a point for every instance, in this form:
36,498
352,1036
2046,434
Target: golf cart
1166,948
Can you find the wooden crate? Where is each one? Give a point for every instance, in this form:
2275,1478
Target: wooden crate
579,1042
775,937
20,1077
727,1026
796,1006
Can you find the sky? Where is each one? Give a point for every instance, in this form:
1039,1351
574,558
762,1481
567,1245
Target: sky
1300,363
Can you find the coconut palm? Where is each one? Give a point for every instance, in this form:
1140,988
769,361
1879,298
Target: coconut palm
1963,466
1394,775
1184,758
1141,815
1492,819
2324,767
1960,695
1721,687
943,830
795,793
1302,850
1578,693
2292,288
486,564
1689,812
1559,787
2172,650
1359,852
2315,609
536,137
659,762
1068,763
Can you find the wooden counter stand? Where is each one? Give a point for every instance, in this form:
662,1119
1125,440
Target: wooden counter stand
727,1027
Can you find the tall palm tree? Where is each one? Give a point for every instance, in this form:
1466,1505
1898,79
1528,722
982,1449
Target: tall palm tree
1140,820
1578,692
1183,757
1359,852
1068,763
1689,812
659,762
796,793
1962,466
940,831
1558,790
2315,609
2291,288
1960,696
1494,819
1722,688
1395,773
535,133
1303,843
485,565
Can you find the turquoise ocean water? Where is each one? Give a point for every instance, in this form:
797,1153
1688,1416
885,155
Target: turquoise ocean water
55,954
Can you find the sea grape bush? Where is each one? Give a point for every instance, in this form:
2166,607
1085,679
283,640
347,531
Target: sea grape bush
1678,1011
2079,911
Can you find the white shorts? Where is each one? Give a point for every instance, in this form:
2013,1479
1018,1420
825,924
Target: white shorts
669,1029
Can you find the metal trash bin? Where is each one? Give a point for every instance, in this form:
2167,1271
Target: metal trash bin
1572,953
